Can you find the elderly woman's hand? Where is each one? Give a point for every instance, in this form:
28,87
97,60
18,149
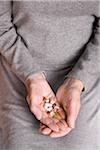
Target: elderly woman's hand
38,89
68,96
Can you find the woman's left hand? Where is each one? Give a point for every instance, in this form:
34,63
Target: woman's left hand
68,96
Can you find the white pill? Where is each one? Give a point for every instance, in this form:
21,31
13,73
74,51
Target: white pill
45,106
52,113
52,102
47,101
48,104
49,109
57,107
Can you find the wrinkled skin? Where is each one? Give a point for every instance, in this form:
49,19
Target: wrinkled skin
67,96
38,88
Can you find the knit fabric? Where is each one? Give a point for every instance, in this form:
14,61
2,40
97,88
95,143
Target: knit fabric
60,39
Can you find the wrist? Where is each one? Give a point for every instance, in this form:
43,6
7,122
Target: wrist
33,77
74,83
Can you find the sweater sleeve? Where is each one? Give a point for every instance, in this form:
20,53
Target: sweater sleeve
12,47
87,68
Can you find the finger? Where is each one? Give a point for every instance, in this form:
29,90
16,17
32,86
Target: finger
53,126
57,116
45,130
60,133
64,123
42,125
71,114
61,125
55,120
50,123
62,113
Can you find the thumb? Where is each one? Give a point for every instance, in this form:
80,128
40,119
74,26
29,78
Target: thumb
71,115
34,108
71,121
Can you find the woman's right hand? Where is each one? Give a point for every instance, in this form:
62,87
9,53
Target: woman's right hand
38,88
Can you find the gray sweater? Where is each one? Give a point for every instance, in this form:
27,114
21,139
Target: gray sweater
46,36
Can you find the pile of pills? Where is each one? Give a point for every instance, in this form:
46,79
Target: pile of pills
51,107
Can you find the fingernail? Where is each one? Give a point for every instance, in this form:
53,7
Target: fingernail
46,131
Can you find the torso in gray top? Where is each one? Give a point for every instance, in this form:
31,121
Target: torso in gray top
54,33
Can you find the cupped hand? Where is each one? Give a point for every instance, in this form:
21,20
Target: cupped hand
38,89
68,96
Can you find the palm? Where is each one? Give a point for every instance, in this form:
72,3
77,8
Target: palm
38,89
69,98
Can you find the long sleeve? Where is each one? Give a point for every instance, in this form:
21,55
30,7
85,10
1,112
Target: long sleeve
12,46
87,68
